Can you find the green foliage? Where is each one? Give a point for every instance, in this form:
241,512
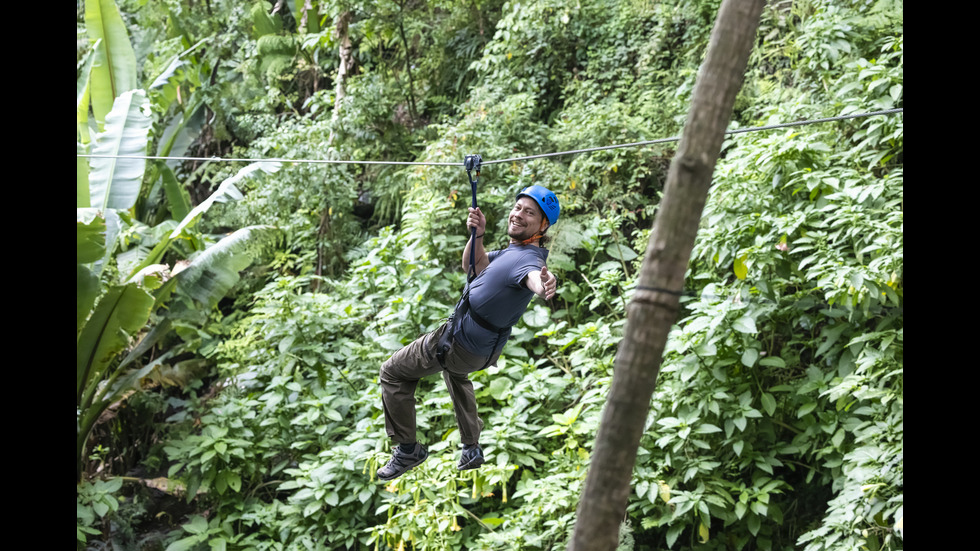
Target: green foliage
114,71
796,330
115,182
94,500
121,284
778,417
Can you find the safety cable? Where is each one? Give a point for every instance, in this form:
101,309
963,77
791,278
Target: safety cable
677,138
263,160
510,160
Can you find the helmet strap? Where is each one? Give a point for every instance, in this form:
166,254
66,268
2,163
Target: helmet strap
536,236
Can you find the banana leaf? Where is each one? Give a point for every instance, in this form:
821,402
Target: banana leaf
214,272
86,291
82,95
122,311
82,199
114,182
90,234
226,191
178,199
115,69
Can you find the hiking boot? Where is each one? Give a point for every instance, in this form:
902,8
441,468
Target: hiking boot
472,458
401,462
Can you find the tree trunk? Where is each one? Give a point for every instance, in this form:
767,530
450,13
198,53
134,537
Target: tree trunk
412,110
309,24
346,53
346,61
653,309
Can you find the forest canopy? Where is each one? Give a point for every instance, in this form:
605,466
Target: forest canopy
235,298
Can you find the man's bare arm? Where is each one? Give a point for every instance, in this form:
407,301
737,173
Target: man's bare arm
542,283
478,221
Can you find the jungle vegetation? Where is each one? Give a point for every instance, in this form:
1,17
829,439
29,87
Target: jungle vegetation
232,315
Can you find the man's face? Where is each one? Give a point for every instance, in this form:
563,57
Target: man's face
525,219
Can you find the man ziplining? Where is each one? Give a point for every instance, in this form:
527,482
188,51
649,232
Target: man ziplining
472,339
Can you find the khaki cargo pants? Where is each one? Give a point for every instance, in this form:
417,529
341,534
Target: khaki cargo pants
400,375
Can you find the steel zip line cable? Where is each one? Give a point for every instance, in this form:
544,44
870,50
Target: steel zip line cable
677,138
510,160
263,160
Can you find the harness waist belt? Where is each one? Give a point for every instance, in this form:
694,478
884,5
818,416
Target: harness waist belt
462,308
482,322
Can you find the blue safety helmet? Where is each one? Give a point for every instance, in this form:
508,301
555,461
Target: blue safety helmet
545,199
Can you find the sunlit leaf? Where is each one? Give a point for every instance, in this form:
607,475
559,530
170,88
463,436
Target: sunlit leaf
227,191
116,172
212,273
115,69
741,270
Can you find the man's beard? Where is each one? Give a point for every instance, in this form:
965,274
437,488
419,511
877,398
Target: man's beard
519,233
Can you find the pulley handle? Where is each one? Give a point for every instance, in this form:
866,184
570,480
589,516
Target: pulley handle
471,163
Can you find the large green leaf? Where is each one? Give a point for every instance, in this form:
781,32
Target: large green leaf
123,310
213,273
115,69
114,181
621,252
177,137
178,198
113,228
82,94
226,191
164,77
182,130
185,126
86,290
90,235
262,22
82,199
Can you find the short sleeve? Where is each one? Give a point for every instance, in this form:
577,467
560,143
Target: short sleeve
528,263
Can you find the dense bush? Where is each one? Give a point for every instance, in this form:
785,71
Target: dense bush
778,418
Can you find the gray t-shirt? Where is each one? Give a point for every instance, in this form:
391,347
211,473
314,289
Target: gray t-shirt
499,297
